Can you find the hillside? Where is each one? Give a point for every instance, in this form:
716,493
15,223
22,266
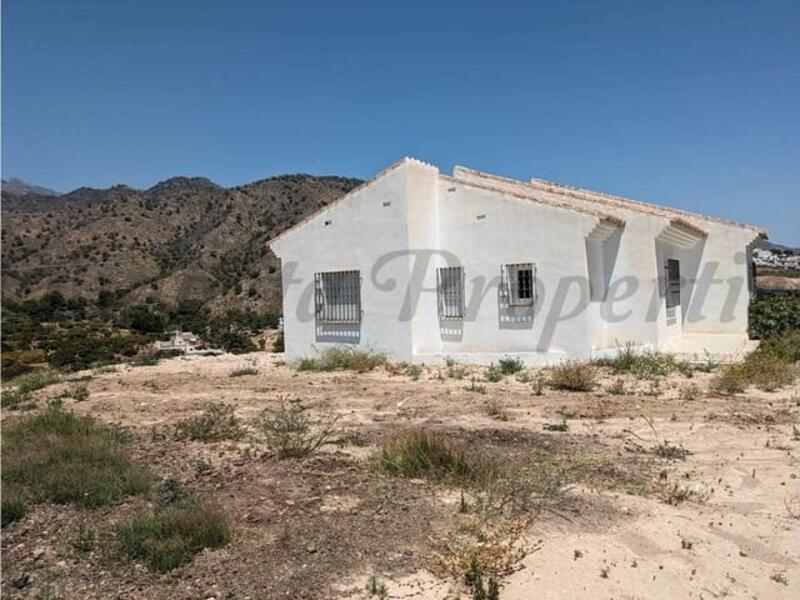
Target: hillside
182,238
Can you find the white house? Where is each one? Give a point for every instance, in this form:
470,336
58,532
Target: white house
474,266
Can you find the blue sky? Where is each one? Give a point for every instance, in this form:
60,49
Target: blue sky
691,104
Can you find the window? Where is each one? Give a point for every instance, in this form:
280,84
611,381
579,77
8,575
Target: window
673,283
450,286
517,282
337,296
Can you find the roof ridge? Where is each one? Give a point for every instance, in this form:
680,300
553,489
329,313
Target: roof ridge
622,201
525,192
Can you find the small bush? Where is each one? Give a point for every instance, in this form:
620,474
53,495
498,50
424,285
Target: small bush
496,410
773,314
56,456
414,371
279,345
343,359
509,366
573,376
730,380
217,422
35,380
690,392
290,432
78,392
493,374
478,389
242,372
617,388
646,365
169,536
432,455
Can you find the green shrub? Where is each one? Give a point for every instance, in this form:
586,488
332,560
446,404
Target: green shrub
645,365
774,313
414,371
290,432
56,456
169,536
340,358
13,508
730,380
493,374
152,358
432,455
217,422
509,366
35,380
573,376
243,371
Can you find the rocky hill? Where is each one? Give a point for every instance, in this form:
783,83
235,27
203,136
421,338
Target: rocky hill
182,238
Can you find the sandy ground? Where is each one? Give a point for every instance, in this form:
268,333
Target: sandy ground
319,527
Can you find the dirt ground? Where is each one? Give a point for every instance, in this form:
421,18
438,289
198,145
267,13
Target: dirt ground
321,526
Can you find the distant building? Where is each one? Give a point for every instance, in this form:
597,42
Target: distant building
186,342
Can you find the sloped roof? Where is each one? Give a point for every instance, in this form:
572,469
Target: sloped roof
637,205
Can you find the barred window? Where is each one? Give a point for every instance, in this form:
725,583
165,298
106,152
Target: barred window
337,296
450,286
673,283
517,281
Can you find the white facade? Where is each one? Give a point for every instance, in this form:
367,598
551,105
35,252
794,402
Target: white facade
598,265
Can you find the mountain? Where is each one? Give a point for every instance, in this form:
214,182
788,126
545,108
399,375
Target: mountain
183,238
18,187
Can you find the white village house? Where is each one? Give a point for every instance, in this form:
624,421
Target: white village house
474,267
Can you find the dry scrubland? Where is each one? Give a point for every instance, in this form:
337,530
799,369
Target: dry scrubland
244,477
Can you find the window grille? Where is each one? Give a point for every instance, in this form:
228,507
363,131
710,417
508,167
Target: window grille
673,283
450,286
337,296
517,281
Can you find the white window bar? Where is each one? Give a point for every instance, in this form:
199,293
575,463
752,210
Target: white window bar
518,281
337,296
673,287
450,286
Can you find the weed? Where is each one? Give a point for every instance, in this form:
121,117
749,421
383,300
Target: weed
78,392
463,505
473,579
456,372
169,536
556,426
478,389
217,422
645,365
495,409
170,491
493,374
150,359
661,448
433,455
573,376
375,587
539,382
290,432
343,359
58,457
35,380
690,392
83,541
509,366
350,438
414,371
243,371
201,467
524,377
729,381
617,388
